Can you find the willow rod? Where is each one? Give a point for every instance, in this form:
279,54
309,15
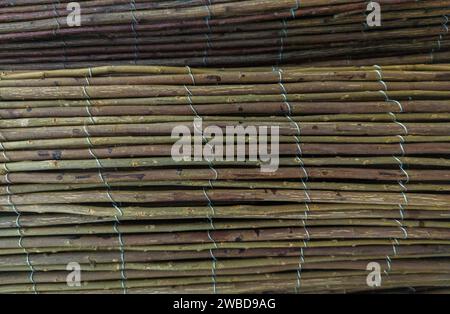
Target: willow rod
269,184
297,211
224,195
29,159
285,128
309,141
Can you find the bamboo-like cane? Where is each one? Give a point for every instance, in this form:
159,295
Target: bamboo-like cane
86,167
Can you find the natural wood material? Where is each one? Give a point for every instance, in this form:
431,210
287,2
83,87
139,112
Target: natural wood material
86,167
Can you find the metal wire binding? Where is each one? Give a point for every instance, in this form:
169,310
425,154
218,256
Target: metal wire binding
134,22
211,238
119,211
401,183
56,18
204,139
283,37
441,37
20,230
295,8
205,193
190,74
304,180
208,33
6,157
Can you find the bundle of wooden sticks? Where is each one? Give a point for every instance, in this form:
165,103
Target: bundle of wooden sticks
45,34
88,178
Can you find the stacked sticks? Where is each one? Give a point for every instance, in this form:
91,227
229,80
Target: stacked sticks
38,35
88,178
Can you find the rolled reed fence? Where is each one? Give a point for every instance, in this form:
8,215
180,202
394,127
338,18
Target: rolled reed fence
87,174
213,33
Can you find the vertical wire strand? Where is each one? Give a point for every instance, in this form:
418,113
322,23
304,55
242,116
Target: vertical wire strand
304,180
208,45
116,206
134,23
402,182
210,203
20,232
